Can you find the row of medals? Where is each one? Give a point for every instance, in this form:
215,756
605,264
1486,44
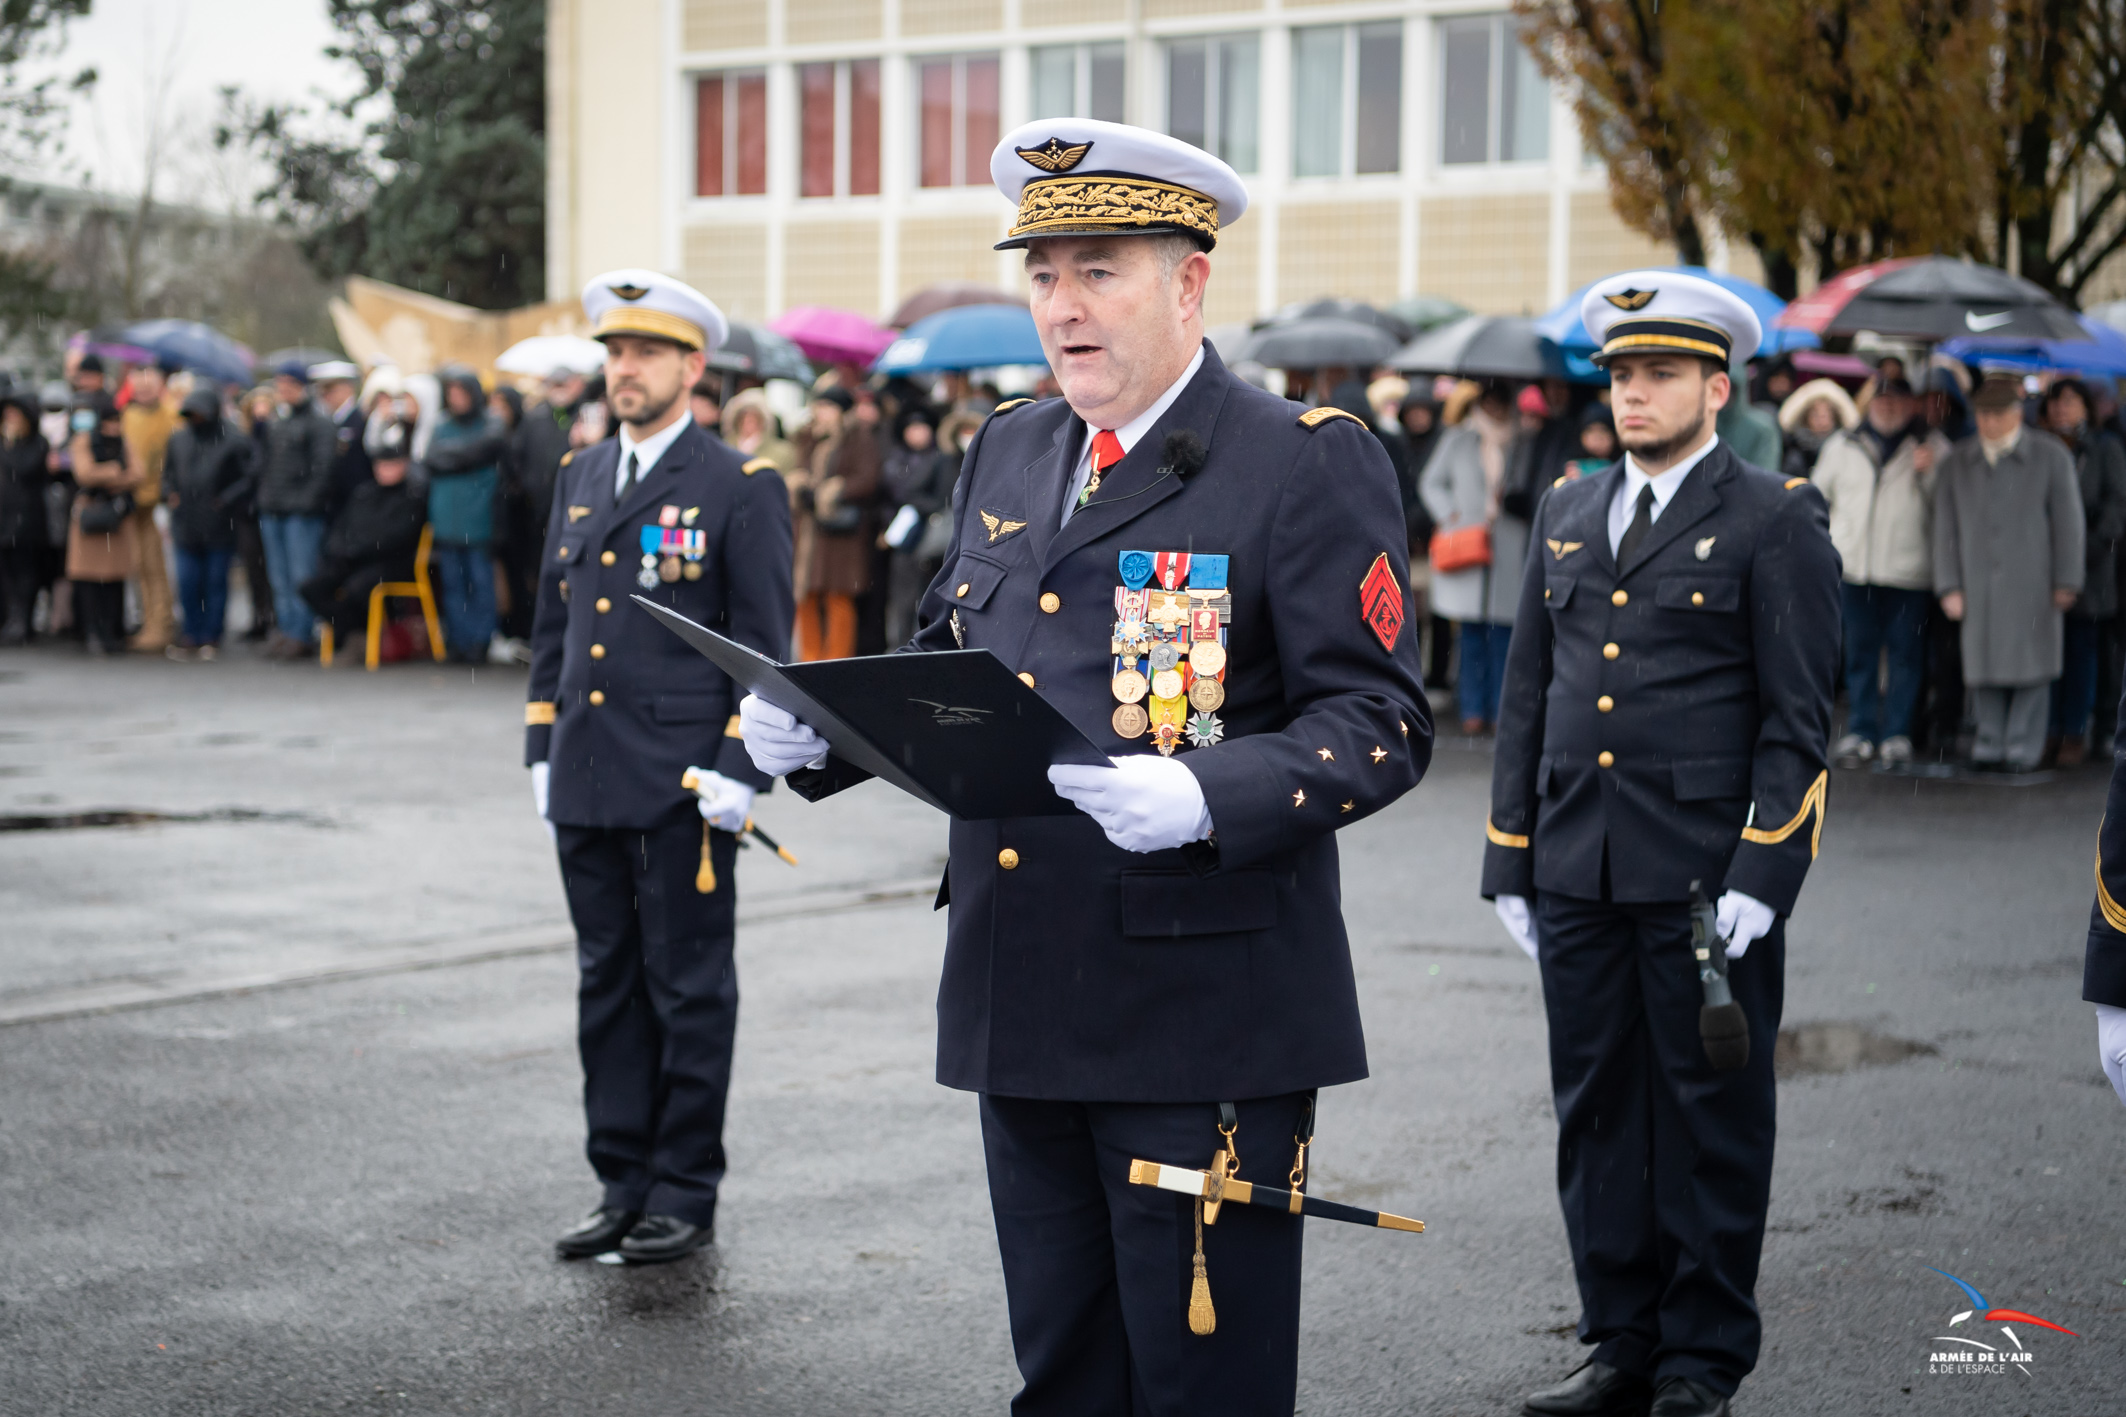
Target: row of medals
671,565
1169,659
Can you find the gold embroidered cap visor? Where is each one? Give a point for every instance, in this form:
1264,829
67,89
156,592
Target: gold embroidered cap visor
656,324
1109,204
1087,177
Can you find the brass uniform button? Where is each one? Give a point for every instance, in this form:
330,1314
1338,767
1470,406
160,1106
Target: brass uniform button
607,559
604,605
1051,602
597,651
1618,596
1008,859
1605,703
1606,758
1610,650
962,591
1027,680
1546,592
562,554
1697,597
597,697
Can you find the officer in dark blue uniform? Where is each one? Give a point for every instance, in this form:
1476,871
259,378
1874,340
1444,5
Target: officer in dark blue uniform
2104,964
622,715
1667,701
1210,582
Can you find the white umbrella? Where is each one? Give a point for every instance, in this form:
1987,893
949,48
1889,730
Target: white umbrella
543,354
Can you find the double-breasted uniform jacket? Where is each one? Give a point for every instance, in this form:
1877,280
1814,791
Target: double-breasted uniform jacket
2104,963
1672,712
1075,970
620,706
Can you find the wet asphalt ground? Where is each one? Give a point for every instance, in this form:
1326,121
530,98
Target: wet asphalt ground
289,1102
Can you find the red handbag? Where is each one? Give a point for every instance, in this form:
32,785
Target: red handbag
1461,549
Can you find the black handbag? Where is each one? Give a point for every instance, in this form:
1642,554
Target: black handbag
105,512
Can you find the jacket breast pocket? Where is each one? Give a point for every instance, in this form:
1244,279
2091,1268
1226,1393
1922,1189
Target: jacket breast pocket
1710,779
976,578
1557,591
1174,904
1718,593
572,549
690,708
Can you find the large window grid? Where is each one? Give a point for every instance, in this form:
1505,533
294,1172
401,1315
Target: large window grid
838,128
731,134
1077,81
956,97
1347,99
1214,96
1494,102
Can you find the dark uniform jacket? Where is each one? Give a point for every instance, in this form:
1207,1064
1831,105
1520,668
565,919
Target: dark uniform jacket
620,706
2104,965
1077,970
1672,712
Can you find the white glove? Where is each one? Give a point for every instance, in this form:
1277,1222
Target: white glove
1742,918
1144,802
2111,1045
1513,914
775,741
541,772
724,804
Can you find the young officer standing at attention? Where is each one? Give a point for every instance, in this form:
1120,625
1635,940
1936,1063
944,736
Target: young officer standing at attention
1667,702
621,712
1209,581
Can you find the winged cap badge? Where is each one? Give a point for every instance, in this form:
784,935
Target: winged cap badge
1631,299
629,292
1052,156
999,528
1562,549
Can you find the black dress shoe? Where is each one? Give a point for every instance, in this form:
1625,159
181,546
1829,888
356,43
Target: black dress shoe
600,1233
1593,1390
659,1238
1680,1397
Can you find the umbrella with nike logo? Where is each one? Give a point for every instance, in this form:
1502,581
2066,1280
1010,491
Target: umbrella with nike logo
1931,298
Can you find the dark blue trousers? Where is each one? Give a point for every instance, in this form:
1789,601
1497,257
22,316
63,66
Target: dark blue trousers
1664,1165
1097,1271
657,1008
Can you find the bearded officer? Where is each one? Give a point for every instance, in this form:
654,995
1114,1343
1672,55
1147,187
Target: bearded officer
621,712
1667,700
1209,581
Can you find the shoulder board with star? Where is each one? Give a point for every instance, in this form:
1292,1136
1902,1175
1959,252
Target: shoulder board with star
1314,418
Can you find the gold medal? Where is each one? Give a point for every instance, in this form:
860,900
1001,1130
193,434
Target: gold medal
668,569
1130,720
1207,695
1166,684
692,570
1130,686
1207,658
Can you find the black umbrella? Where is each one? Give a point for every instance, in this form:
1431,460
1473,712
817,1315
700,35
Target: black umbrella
1483,347
1332,308
1426,312
1938,298
1318,344
761,353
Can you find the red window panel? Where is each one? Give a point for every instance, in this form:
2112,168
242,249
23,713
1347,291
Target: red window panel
937,123
708,137
982,127
752,134
863,128
815,91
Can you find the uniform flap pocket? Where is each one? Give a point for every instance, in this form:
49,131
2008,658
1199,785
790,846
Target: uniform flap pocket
690,708
1701,779
1542,776
1168,904
1698,593
1557,590
571,550
976,579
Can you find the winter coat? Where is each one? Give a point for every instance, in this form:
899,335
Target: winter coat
2006,536
207,477
1750,433
101,555
1452,486
463,468
1882,519
2100,473
350,452
296,480
23,479
538,445
147,429
842,470
379,526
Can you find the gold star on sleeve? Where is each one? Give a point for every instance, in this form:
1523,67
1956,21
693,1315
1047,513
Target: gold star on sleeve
1326,755
1348,806
1299,798
1379,753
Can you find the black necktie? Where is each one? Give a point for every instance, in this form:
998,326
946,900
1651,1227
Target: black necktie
629,481
1642,524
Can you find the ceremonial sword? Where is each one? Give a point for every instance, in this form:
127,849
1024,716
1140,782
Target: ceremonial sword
692,783
1213,1188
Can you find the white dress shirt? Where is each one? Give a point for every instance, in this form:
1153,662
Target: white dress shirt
1128,434
646,452
1623,505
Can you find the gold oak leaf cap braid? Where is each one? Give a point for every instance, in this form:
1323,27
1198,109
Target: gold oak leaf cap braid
1086,177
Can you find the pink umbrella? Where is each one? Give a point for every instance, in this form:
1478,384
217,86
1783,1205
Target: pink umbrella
831,336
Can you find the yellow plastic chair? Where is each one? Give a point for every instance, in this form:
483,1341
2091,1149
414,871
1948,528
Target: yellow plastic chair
417,589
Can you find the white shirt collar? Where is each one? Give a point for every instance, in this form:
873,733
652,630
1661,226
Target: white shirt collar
1996,451
1621,506
649,450
1129,434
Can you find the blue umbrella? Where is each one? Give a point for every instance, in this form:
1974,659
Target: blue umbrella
965,337
2104,352
1563,324
191,345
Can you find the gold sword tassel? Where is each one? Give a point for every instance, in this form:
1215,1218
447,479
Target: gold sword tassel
705,878
1202,1318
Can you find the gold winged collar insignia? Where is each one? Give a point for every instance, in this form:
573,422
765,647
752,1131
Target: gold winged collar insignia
1052,156
1562,549
1631,299
999,527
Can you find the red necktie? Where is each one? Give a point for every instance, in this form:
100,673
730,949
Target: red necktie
1107,451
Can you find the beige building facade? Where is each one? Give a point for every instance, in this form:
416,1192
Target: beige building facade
835,152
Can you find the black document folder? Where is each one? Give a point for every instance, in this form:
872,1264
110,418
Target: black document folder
957,729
